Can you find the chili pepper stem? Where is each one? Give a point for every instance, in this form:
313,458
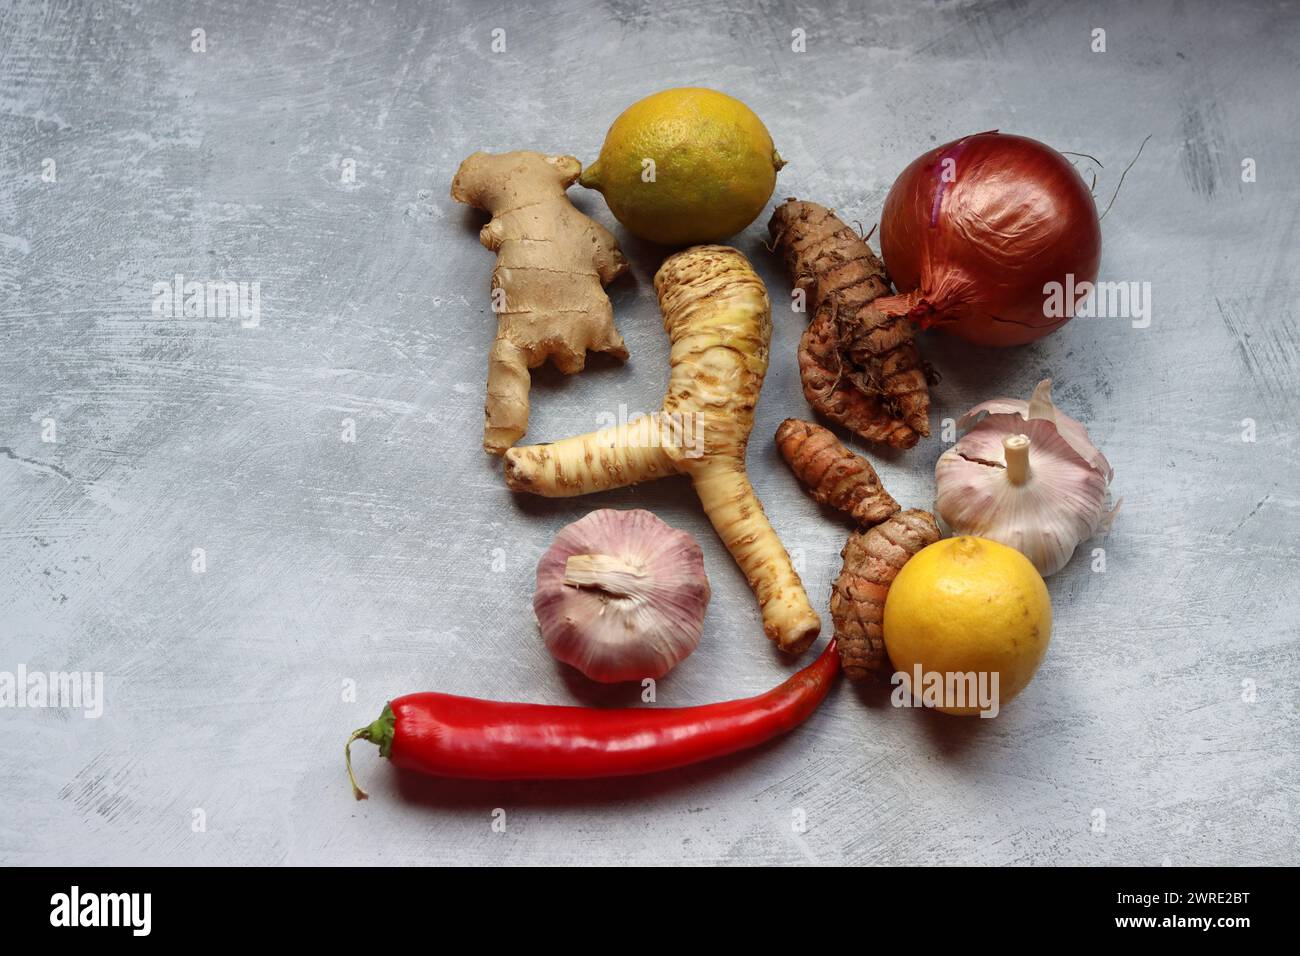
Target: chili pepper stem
362,734
381,733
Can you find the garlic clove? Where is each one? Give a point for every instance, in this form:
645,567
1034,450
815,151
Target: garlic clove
621,595
1056,503
1025,475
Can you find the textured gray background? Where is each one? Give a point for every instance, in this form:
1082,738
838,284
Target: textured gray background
377,562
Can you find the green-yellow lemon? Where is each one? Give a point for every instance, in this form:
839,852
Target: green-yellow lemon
968,605
686,166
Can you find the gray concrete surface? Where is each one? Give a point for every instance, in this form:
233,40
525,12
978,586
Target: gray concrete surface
1162,726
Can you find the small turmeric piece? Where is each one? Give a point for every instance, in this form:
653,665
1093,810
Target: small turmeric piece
832,474
872,559
548,285
859,367
719,323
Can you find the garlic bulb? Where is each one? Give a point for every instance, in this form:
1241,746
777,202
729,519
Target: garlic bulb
621,596
1026,475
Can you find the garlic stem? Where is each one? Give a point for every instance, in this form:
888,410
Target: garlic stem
604,572
1016,449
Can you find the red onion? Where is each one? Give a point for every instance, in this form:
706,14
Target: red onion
973,231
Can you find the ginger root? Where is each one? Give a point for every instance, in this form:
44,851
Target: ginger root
872,559
548,285
832,474
860,368
718,320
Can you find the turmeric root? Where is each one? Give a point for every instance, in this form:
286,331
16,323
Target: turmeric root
872,559
833,475
548,285
860,368
719,324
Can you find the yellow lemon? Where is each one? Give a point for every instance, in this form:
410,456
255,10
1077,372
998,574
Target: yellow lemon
686,166
968,606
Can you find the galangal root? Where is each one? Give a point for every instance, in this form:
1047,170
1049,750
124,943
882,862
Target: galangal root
860,368
873,556
832,474
548,285
718,320
872,559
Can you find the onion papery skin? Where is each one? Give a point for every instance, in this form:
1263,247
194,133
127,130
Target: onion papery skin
972,256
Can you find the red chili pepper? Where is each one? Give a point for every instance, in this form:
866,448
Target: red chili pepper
449,736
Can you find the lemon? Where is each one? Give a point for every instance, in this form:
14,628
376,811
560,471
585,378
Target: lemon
686,166
968,606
